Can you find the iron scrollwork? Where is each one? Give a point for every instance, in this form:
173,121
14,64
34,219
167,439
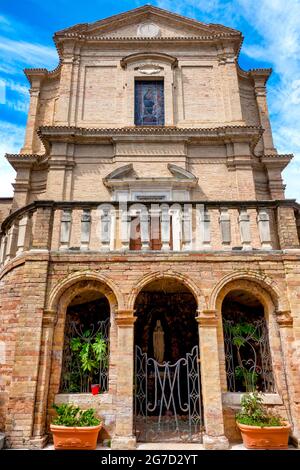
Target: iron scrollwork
73,378
248,357
168,398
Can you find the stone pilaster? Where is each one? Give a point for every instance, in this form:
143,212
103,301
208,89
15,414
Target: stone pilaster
62,113
39,436
287,228
124,438
210,379
260,78
291,369
36,82
24,381
42,228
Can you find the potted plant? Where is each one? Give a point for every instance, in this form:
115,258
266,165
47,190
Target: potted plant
260,428
74,428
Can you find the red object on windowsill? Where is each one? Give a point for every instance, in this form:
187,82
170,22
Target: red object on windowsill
95,389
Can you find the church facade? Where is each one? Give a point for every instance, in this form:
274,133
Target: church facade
149,247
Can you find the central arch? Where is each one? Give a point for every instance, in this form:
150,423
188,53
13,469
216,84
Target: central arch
167,373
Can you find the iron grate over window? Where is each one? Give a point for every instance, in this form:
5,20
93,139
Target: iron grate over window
248,356
85,357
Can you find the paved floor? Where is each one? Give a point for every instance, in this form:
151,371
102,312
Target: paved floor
168,446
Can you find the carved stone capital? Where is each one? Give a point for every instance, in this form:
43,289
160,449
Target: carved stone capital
125,318
49,318
284,318
207,318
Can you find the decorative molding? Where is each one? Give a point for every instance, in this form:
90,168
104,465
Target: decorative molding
149,69
284,318
125,318
153,56
49,318
207,318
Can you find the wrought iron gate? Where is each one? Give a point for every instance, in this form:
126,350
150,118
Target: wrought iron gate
168,398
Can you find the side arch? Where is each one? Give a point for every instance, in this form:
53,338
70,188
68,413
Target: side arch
266,289
182,278
63,290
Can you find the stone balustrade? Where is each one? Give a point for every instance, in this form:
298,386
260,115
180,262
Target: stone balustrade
150,227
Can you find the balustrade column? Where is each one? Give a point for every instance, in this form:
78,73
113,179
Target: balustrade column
144,224
214,437
85,229
263,221
105,229
225,226
176,228
65,229
11,246
23,242
3,249
187,228
165,228
203,228
124,438
125,229
244,222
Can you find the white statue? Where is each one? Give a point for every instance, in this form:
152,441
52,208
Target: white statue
158,342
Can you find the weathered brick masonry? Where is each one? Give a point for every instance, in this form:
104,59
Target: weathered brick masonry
83,150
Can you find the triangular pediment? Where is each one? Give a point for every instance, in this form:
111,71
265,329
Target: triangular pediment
148,21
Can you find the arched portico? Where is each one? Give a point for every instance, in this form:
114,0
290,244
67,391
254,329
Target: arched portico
264,297
78,289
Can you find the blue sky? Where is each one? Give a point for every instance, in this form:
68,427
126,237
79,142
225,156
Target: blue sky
272,39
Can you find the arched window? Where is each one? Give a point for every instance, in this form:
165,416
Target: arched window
246,343
86,344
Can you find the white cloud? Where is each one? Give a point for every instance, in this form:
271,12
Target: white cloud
11,140
277,24
16,54
30,54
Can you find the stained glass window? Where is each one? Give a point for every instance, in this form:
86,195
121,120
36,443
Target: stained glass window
149,103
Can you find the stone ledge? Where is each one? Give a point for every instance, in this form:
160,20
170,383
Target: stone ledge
123,443
215,442
234,398
83,398
2,440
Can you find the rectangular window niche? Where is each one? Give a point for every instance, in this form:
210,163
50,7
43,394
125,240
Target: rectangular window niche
149,103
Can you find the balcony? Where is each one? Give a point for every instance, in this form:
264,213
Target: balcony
150,226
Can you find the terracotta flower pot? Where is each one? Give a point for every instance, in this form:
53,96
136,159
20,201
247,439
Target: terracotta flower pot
269,437
75,438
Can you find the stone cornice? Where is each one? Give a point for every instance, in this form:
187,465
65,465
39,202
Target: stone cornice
204,38
149,129
255,73
276,160
42,73
22,160
72,134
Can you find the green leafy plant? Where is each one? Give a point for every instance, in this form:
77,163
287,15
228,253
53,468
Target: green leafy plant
240,334
254,413
91,352
71,415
